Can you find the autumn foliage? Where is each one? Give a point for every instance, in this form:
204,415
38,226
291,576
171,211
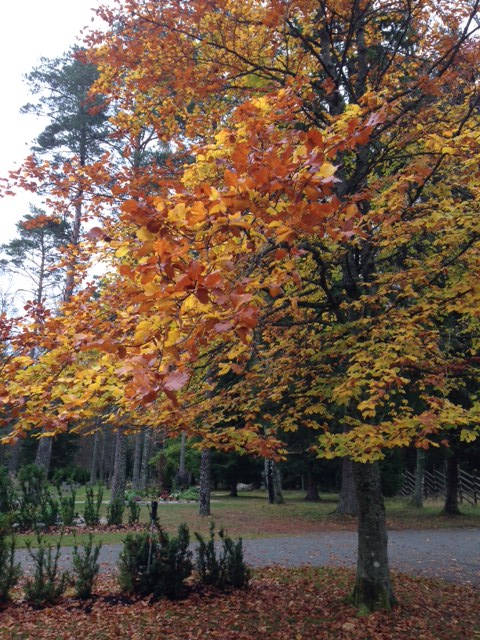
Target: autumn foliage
308,255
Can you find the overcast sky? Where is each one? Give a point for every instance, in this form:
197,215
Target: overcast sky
29,30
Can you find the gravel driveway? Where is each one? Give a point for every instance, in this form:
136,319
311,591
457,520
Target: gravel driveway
451,554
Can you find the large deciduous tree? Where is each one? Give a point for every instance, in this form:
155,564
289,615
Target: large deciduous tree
309,262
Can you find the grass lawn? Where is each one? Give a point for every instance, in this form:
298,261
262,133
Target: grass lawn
281,604
250,516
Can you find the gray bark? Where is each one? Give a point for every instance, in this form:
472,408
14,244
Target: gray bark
312,488
14,458
44,454
417,498
137,460
348,503
277,484
147,441
94,462
120,467
273,482
373,589
451,480
204,506
182,477
103,474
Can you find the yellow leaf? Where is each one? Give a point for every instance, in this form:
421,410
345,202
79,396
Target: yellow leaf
326,170
144,234
122,251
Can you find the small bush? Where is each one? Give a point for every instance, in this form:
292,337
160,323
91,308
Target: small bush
71,474
93,504
33,488
9,571
48,510
67,507
155,563
85,568
133,511
48,583
192,493
115,512
228,570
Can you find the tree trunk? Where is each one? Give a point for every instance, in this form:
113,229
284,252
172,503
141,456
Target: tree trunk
348,503
311,486
44,454
451,481
145,457
269,481
182,478
373,589
233,488
277,484
14,459
137,460
103,447
120,467
273,482
94,462
417,498
204,507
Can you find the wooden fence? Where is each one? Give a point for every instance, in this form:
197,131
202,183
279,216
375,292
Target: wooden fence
434,485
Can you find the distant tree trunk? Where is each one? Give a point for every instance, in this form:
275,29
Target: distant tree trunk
14,459
451,481
182,477
348,503
120,467
277,484
269,481
204,506
137,460
44,454
102,470
273,482
373,589
311,485
145,458
233,488
417,498
94,462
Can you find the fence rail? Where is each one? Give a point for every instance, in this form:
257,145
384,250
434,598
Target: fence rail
434,485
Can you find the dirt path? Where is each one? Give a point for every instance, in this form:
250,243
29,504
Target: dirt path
451,554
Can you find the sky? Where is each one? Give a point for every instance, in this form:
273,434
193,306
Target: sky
29,30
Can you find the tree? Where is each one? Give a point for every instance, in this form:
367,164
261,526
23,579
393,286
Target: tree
313,255
35,255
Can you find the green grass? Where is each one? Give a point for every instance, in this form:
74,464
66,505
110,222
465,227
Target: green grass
250,516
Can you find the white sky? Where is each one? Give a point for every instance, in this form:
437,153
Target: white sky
29,30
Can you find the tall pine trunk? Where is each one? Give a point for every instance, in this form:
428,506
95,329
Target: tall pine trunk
120,467
373,589
145,458
94,462
451,481
44,454
14,458
137,460
182,477
204,506
348,503
418,491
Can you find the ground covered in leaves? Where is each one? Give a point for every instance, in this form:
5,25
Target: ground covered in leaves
281,604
